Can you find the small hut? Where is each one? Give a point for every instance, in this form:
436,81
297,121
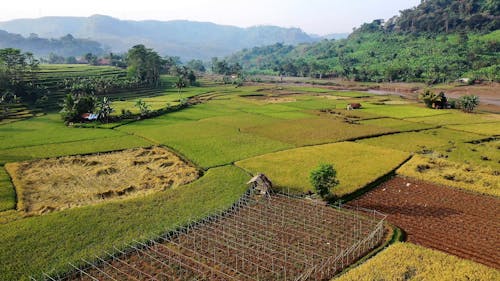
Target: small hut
261,184
353,106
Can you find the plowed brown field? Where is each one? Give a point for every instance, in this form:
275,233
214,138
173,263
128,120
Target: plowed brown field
453,221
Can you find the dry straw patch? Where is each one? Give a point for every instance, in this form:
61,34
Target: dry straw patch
60,183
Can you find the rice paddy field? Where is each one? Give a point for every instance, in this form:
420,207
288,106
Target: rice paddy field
227,137
357,165
406,261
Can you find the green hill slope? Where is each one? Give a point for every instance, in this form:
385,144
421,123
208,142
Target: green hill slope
416,46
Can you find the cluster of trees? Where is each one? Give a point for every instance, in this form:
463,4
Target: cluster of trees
379,56
226,68
381,51
98,85
439,101
448,16
146,65
18,78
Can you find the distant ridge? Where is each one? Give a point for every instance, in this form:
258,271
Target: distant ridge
65,46
186,39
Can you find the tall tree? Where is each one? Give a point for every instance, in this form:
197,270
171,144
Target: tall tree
145,65
18,75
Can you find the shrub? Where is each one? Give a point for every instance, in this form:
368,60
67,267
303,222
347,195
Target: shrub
143,107
323,179
76,105
428,97
468,103
432,100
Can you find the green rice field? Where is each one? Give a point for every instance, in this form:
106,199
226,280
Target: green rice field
230,134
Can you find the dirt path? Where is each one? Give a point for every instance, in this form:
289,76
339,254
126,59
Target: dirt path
453,221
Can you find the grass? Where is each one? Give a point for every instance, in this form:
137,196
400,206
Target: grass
400,111
45,130
7,193
351,94
49,185
469,177
71,148
350,114
167,97
487,129
209,144
457,117
314,131
406,261
47,243
357,165
396,124
424,140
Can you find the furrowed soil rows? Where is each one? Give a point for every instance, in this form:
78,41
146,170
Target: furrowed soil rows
275,238
453,221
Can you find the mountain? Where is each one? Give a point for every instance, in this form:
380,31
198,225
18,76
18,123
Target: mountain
65,46
437,41
186,39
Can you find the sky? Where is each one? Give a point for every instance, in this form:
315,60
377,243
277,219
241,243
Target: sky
313,16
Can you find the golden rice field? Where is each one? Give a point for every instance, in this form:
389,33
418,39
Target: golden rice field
470,177
409,262
357,165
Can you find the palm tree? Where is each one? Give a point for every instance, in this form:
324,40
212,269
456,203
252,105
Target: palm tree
179,84
105,109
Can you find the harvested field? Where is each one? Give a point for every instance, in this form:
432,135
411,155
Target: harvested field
60,183
259,238
453,221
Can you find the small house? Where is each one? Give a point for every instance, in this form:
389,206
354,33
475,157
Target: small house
90,116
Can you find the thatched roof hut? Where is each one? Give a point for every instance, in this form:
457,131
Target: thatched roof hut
261,183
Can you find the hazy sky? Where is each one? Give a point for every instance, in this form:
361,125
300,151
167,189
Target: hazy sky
313,16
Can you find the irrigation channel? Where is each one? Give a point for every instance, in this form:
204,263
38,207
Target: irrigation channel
275,237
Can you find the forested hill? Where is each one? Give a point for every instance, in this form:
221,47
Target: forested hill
422,44
186,39
448,16
66,46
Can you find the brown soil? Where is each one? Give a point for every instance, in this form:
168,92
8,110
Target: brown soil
489,93
48,185
453,221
